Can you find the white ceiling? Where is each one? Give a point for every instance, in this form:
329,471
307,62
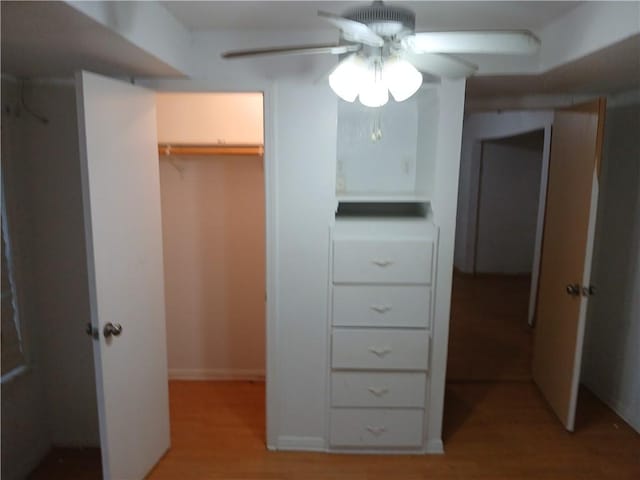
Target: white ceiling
44,39
612,69
51,39
302,15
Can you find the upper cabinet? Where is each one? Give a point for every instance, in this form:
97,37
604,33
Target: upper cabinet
210,118
387,154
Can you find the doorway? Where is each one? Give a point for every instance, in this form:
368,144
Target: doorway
50,414
212,188
490,338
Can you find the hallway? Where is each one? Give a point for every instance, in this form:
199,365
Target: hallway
489,338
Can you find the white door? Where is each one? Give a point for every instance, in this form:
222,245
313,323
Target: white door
565,271
121,196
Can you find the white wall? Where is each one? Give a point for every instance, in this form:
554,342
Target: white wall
300,152
612,342
24,430
508,206
300,163
478,127
214,264
447,169
306,152
60,389
60,271
210,118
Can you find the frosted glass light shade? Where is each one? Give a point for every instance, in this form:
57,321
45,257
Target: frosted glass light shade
373,79
373,87
402,78
346,78
374,93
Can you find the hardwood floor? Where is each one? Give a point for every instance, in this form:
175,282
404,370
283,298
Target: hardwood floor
496,424
491,431
489,338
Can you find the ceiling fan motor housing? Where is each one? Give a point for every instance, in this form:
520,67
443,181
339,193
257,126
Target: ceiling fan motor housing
385,20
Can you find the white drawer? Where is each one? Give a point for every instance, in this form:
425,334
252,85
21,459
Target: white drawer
377,389
382,261
381,305
352,427
379,349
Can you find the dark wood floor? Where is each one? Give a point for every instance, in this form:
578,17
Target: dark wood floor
489,338
496,424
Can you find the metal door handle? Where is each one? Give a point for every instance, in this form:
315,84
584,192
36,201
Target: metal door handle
573,289
112,329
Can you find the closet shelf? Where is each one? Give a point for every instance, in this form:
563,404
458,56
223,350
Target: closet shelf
223,149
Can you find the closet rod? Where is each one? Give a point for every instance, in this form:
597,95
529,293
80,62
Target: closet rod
165,149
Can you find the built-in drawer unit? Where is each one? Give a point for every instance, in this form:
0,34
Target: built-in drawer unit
376,427
382,261
378,389
380,349
381,306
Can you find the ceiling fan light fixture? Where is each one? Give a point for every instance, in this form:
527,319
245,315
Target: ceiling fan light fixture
402,78
346,79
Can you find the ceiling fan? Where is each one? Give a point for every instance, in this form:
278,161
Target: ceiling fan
383,53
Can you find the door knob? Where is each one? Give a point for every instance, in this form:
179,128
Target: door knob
112,329
573,289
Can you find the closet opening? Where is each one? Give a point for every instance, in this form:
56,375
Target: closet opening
212,188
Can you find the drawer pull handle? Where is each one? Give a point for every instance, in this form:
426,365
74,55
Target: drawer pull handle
377,431
382,263
381,308
378,392
381,352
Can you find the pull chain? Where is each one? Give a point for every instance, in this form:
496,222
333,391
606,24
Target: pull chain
376,126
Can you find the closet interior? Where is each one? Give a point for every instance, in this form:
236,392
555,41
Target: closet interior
210,148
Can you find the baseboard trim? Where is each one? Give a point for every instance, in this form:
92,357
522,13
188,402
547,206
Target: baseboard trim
435,446
215,374
305,444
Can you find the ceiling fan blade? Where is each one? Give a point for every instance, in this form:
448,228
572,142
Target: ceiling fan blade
515,42
293,50
440,65
353,31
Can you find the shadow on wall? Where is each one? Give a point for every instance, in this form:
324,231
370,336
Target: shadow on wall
612,346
